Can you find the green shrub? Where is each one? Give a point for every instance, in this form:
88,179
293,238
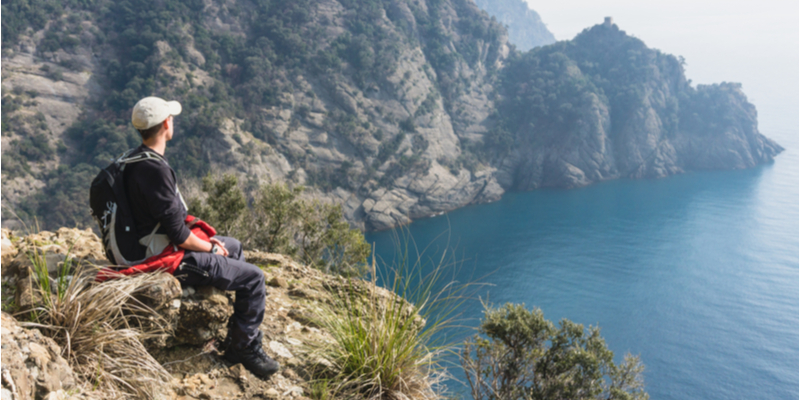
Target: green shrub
225,203
524,356
408,125
279,221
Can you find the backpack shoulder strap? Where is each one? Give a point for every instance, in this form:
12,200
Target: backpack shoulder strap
143,156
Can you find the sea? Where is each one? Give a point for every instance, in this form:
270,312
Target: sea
695,273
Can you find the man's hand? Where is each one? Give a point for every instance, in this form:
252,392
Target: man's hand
223,250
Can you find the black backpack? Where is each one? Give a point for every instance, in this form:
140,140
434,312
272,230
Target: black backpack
112,212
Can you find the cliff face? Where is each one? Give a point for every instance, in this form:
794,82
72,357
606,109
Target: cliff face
525,28
604,106
367,102
397,109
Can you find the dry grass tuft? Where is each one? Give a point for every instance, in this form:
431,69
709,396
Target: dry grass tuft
100,328
387,343
378,353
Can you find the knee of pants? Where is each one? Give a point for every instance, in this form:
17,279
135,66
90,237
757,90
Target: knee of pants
234,247
256,276
233,243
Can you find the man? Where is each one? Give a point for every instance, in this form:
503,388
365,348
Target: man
157,206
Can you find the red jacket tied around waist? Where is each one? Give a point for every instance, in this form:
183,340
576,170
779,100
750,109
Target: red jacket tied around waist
168,260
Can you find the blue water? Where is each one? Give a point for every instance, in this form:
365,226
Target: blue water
697,273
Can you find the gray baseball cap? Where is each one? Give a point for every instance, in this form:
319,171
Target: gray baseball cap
151,111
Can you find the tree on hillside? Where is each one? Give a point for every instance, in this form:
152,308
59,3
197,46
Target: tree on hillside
521,355
277,220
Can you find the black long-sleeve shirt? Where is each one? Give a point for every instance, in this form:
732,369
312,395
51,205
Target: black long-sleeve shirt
153,196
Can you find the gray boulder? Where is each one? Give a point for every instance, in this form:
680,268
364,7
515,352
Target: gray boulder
32,364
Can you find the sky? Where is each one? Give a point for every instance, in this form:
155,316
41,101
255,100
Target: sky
754,43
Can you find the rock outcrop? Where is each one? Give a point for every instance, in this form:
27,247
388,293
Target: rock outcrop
33,367
197,320
71,246
604,106
383,124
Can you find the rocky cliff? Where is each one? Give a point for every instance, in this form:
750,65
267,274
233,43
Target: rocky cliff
525,28
604,106
398,109
367,102
36,367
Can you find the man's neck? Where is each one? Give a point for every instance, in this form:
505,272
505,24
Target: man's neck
159,146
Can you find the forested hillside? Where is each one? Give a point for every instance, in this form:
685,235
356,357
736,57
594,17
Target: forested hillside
604,106
397,109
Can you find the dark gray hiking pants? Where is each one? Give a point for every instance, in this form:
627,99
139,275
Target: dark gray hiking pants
230,273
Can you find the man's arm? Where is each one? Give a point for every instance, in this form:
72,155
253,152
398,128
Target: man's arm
194,243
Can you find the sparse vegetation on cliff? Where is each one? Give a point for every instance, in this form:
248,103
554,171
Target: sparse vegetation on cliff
279,221
392,346
611,107
101,329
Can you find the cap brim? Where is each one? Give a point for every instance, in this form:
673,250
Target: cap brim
174,107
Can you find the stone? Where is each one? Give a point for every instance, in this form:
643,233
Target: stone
161,294
300,292
290,374
163,297
57,395
291,327
212,294
32,363
278,281
240,372
26,296
302,316
280,349
294,391
203,316
7,249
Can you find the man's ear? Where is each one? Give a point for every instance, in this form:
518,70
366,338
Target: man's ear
166,123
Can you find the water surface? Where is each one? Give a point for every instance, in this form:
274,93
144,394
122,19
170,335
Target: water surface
697,273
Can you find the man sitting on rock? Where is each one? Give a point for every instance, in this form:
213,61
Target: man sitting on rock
154,199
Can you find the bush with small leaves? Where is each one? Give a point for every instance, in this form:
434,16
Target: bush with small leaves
279,221
521,355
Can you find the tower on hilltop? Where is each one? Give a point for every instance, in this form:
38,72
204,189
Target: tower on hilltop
608,21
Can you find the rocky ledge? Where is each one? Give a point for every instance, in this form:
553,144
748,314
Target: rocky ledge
34,366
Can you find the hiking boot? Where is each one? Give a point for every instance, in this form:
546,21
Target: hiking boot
223,346
253,358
